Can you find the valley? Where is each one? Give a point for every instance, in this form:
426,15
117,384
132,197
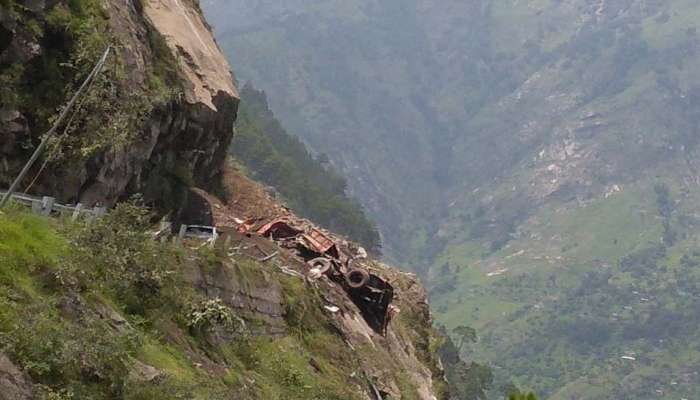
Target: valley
533,161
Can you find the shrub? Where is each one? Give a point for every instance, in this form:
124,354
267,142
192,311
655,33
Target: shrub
210,313
126,259
60,351
166,390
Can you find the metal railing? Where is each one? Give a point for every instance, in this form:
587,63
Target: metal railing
47,206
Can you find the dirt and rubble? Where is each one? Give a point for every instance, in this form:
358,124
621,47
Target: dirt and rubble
250,211
362,315
360,296
239,197
337,259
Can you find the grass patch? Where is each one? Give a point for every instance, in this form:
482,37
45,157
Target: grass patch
28,240
168,359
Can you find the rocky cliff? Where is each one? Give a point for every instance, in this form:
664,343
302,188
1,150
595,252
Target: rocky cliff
159,118
114,313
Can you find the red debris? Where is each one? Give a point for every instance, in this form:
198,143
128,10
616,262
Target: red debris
372,294
320,243
279,229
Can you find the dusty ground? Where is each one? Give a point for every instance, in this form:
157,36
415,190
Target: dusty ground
248,198
409,336
244,199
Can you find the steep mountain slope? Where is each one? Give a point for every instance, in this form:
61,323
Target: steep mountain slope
539,143
310,185
159,117
470,102
338,75
569,257
105,310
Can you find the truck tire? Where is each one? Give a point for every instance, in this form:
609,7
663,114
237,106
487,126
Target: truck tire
320,263
357,278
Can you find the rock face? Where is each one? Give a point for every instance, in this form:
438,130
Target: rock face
14,385
253,296
399,365
188,34
188,133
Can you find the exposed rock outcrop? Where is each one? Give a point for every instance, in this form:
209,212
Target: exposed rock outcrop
398,365
14,384
253,296
187,135
189,36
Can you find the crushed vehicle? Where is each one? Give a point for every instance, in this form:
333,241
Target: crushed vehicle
324,255
199,232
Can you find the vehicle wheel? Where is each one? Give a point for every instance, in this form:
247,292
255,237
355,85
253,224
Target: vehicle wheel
357,278
320,263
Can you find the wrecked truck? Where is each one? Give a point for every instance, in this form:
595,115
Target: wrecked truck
323,255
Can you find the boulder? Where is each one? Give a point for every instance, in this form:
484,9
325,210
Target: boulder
14,384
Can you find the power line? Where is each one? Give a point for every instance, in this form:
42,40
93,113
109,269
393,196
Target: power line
52,131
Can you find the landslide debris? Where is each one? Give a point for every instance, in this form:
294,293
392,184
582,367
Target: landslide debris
115,313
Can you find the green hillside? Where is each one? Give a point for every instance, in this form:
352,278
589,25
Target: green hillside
127,327
580,287
535,161
568,254
105,311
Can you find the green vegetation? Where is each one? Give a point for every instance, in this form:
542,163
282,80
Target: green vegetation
466,381
49,287
465,334
598,295
72,35
113,314
310,184
69,294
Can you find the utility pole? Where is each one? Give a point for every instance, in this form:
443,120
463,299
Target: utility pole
52,131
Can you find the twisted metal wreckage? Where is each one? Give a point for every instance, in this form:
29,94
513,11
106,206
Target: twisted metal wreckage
338,260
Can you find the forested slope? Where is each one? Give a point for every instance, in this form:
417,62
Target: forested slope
524,148
309,183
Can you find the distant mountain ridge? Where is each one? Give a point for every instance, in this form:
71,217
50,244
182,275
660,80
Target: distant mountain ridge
512,152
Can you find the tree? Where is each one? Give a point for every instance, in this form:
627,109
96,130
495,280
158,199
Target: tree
309,185
512,392
471,381
465,334
466,381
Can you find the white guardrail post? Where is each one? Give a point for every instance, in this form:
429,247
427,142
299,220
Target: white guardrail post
99,211
47,205
214,238
36,207
76,213
181,234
